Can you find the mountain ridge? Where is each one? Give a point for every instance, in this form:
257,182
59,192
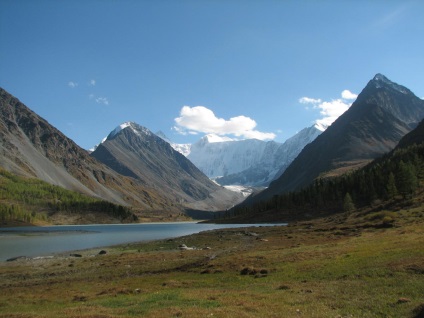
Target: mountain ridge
380,116
224,159
273,161
133,150
31,147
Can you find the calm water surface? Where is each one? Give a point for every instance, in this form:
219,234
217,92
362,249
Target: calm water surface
46,240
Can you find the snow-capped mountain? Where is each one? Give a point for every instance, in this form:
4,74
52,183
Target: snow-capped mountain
181,148
217,158
294,145
248,162
31,147
134,151
116,131
274,160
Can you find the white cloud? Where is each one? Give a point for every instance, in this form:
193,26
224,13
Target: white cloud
72,84
99,100
330,110
200,119
102,100
391,18
308,100
347,94
92,82
183,131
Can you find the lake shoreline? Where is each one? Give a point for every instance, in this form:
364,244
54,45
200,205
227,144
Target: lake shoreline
339,266
45,240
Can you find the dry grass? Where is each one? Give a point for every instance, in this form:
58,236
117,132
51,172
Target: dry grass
344,266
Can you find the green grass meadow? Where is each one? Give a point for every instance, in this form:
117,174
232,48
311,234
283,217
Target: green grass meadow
308,269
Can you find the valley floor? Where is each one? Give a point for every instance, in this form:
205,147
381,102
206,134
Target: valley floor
349,265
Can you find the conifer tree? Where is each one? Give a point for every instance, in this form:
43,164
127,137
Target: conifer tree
391,186
348,204
406,179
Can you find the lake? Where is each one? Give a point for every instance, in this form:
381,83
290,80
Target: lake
47,240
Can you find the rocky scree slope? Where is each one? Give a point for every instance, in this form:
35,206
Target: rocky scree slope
31,147
133,150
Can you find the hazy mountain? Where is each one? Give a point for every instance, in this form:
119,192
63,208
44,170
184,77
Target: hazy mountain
31,147
381,115
274,160
134,151
216,158
181,148
251,162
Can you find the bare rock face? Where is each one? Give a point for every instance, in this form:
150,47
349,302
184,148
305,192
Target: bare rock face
133,150
31,147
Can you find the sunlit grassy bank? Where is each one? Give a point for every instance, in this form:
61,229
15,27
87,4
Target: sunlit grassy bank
343,266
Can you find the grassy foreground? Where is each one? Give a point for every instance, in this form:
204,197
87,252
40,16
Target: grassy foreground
349,265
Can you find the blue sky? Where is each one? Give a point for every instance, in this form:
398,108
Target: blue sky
241,68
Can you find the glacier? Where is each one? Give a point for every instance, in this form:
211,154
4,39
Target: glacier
249,162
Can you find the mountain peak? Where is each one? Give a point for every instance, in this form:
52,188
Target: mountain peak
136,128
211,138
122,126
321,126
381,115
380,81
162,135
184,149
136,152
381,77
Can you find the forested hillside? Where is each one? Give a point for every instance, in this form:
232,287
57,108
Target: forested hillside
395,178
34,201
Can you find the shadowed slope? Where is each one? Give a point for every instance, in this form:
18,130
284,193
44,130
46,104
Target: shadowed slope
382,114
31,147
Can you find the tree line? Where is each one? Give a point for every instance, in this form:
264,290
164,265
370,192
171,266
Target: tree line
26,199
395,175
12,212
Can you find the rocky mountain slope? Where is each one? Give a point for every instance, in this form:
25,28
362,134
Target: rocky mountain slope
416,136
31,147
381,115
134,151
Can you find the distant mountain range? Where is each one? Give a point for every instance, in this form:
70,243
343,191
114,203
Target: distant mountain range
138,168
382,114
273,162
249,162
